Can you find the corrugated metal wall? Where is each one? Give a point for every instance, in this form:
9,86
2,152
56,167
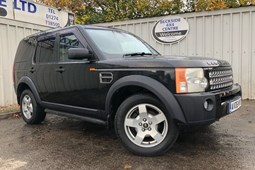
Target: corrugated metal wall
224,34
11,32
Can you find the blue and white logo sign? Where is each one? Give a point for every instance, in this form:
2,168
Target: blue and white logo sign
170,30
28,11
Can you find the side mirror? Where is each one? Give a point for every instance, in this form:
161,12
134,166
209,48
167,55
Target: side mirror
79,53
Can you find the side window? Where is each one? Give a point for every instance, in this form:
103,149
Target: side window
67,41
45,51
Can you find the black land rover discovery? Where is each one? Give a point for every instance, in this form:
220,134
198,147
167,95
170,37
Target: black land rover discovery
111,77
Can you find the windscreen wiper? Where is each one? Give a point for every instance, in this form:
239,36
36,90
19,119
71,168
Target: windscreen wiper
137,54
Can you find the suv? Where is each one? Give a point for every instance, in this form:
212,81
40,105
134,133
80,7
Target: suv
113,78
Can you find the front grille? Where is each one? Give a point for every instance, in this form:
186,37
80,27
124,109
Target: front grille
220,77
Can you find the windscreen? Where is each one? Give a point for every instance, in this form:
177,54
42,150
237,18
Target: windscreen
116,44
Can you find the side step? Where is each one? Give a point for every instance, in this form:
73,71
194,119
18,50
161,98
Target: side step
87,119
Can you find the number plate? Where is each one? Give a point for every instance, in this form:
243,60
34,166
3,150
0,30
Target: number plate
234,105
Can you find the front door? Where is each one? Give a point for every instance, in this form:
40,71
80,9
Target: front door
77,86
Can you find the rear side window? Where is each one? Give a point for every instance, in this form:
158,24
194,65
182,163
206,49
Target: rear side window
45,51
26,50
67,41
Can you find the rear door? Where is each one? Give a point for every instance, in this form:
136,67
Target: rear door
44,66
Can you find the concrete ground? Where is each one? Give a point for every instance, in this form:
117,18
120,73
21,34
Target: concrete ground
63,143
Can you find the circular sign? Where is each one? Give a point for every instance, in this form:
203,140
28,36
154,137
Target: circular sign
3,12
170,30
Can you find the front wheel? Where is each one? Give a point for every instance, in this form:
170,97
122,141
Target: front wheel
144,126
32,112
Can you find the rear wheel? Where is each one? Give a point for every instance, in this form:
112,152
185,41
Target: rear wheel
144,126
32,112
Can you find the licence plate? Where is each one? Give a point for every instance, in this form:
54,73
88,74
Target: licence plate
234,105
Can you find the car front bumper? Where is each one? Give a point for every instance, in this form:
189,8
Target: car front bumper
193,105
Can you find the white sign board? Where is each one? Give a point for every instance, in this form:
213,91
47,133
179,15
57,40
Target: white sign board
31,12
170,30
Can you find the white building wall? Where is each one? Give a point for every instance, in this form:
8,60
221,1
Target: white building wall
11,32
224,34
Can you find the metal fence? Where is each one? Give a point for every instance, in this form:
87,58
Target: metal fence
11,32
224,34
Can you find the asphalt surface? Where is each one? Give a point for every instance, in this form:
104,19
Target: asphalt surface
63,143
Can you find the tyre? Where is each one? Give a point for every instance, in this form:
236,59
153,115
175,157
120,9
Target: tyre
32,112
144,126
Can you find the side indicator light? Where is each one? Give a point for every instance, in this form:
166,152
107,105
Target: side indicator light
180,78
92,69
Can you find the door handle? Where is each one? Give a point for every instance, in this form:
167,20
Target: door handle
60,69
32,70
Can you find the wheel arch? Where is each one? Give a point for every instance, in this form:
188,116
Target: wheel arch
148,85
26,83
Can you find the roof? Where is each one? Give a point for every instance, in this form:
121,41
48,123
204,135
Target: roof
77,26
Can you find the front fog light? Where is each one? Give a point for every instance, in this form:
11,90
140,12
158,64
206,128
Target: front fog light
208,105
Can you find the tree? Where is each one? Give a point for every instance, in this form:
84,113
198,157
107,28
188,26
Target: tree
97,11
216,4
177,6
245,2
232,3
201,5
71,5
190,5
114,10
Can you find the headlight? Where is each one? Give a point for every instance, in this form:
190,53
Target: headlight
190,80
